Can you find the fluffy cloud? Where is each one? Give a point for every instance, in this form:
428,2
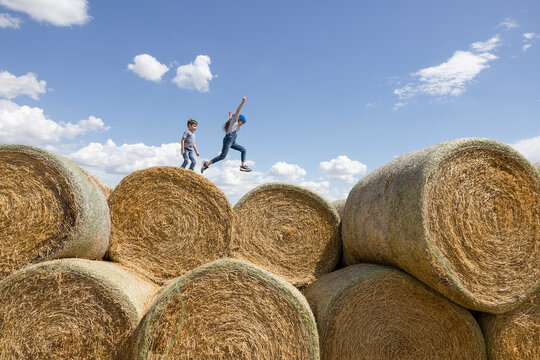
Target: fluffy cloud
530,148
28,125
196,75
287,172
147,67
56,12
451,77
8,21
342,169
126,158
12,86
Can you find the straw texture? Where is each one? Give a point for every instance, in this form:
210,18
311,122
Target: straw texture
375,312
228,309
537,165
48,209
167,221
339,205
70,309
288,230
514,335
462,216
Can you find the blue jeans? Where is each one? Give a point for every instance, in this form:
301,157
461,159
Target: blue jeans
229,141
189,153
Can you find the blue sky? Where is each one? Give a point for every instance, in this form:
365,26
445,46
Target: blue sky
335,89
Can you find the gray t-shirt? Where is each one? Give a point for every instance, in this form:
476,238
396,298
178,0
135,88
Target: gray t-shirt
233,125
189,139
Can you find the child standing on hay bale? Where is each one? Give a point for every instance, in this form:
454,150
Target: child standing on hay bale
188,144
231,127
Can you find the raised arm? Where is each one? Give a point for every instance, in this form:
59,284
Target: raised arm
240,107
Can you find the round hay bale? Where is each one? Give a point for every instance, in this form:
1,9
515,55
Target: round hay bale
537,165
107,191
462,216
48,209
339,205
70,309
166,221
288,230
228,309
369,311
514,335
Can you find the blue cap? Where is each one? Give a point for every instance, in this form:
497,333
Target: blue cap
242,117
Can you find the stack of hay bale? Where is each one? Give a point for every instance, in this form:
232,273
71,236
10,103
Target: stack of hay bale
439,253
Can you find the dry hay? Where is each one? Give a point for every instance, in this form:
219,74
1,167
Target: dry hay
228,309
462,216
339,205
70,309
288,230
166,221
514,335
48,209
374,312
537,165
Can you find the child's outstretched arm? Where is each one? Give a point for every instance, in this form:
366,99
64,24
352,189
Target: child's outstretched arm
240,106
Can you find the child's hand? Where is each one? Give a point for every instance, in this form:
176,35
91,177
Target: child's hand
244,98
196,152
230,113
182,152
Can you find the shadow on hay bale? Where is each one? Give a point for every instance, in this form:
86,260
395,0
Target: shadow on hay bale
228,309
166,221
375,312
462,216
48,209
514,335
288,230
70,309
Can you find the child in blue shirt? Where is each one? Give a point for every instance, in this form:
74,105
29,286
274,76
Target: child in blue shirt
188,145
231,128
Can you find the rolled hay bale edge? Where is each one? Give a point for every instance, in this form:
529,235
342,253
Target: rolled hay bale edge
288,230
99,302
215,311
462,216
339,205
376,312
166,221
50,209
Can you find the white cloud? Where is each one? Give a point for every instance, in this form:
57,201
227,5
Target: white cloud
12,86
530,148
147,67
8,21
126,158
529,36
27,125
529,39
508,24
526,47
287,172
342,169
196,75
320,187
56,12
451,77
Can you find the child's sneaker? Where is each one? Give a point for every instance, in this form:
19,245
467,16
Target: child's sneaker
245,168
204,167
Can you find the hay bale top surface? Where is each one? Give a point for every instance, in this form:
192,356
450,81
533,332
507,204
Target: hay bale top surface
453,215
49,209
228,309
376,312
339,205
537,165
100,303
288,230
167,221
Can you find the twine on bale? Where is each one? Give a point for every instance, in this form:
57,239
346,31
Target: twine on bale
48,209
167,221
227,309
71,309
375,312
462,216
288,230
514,335
339,205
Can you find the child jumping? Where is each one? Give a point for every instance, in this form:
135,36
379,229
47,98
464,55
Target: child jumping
188,144
231,128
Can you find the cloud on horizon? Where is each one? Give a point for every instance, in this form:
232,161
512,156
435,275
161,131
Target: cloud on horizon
530,148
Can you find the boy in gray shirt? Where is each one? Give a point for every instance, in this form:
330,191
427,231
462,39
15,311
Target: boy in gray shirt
188,144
